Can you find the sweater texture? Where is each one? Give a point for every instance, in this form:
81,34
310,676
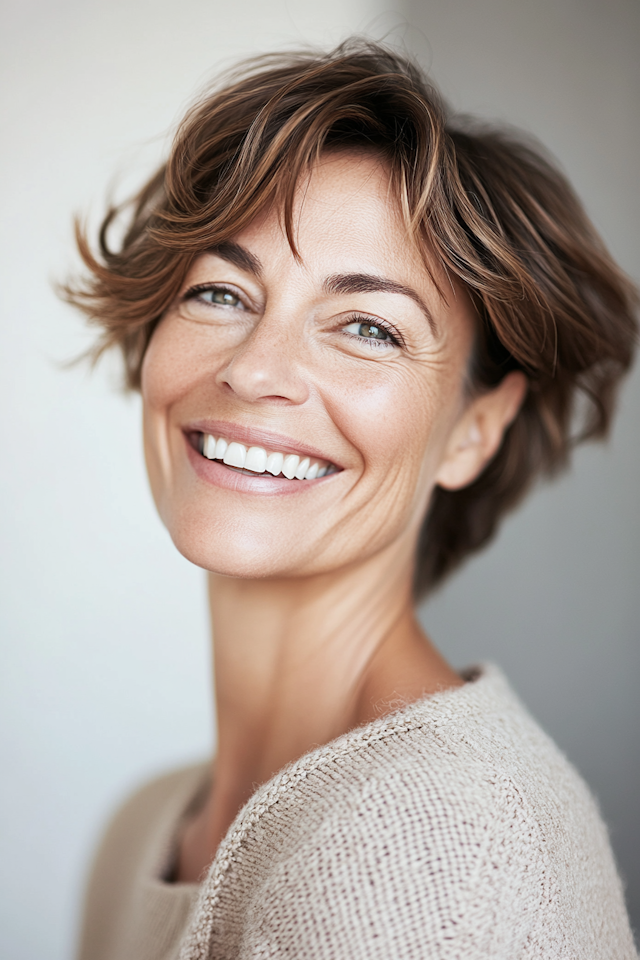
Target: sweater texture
453,829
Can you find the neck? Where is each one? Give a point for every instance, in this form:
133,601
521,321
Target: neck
298,663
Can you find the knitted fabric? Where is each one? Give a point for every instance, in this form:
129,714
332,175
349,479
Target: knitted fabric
453,829
130,912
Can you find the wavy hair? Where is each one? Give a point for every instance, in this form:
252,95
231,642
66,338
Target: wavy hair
486,202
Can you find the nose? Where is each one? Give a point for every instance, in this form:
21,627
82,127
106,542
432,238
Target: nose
268,364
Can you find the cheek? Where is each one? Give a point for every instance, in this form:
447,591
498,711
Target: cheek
169,371
169,367
399,421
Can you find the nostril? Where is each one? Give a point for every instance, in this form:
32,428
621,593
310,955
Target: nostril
276,399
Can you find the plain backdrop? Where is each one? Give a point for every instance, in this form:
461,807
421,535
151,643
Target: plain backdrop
105,663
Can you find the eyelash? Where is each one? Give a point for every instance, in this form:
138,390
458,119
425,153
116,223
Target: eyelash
199,288
394,336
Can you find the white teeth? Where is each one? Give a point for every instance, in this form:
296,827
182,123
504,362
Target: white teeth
235,455
209,447
302,468
274,463
290,466
221,447
256,460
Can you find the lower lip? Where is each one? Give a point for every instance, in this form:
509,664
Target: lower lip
216,473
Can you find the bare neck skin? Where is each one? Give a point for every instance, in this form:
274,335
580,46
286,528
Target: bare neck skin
298,663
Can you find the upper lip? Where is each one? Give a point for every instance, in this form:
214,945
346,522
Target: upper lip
256,437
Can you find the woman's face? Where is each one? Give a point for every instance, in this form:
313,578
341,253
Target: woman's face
346,358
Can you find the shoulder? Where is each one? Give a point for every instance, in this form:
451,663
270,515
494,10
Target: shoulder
131,859
454,824
473,750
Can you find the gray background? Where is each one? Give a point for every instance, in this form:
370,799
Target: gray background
105,664
556,601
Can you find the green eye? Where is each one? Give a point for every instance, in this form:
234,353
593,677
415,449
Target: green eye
369,331
223,297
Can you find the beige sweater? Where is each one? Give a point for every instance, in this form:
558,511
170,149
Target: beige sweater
453,828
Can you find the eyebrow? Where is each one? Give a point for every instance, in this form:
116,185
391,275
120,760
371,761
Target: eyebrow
369,283
238,256
340,283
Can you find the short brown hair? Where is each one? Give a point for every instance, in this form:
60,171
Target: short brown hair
493,208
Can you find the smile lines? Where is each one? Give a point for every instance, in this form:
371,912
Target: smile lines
257,460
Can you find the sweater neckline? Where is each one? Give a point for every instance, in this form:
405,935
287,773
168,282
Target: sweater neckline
436,709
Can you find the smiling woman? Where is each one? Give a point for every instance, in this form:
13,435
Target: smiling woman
329,346
359,333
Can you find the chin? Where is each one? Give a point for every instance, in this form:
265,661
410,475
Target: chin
234,547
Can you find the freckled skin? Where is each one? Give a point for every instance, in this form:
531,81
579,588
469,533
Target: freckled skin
310,593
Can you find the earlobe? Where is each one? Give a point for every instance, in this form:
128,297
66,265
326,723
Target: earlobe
478,435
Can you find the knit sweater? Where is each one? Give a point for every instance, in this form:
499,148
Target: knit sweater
452,829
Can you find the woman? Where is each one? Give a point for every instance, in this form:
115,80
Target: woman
360,332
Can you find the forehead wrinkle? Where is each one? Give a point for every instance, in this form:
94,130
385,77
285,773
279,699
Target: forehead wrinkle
341,283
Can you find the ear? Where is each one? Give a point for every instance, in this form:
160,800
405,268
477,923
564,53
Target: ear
477,435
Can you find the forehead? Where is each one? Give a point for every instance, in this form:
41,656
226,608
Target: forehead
345,210
345,181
